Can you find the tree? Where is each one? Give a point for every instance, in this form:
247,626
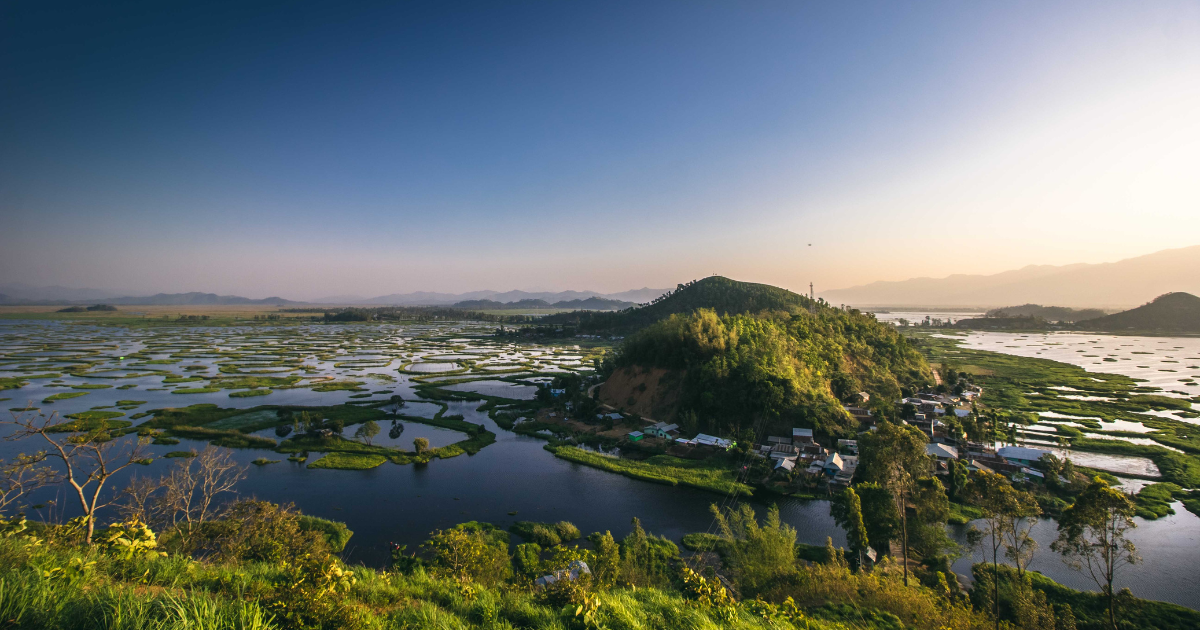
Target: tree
607,559
89,453
757,554
1092,536
192,490
880,515
846,510
420,445
396,430
366,431
21,476
1019,545
996,498
466,556
894,456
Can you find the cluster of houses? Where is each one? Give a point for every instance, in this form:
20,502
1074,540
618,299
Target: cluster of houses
667,431
801,452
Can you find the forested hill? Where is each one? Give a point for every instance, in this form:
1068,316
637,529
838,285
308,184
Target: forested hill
1173,312
784,369
722,295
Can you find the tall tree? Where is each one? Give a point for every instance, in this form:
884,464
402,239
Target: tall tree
1092,537
996,498
894,456
847,511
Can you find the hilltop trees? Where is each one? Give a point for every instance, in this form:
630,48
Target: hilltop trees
788,368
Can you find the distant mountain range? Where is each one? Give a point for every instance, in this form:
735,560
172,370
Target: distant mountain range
427,298
589,304
1122,284
23,294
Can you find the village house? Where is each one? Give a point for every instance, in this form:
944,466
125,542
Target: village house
662,430
1022,455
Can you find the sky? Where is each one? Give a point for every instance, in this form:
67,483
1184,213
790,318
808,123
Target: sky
308,149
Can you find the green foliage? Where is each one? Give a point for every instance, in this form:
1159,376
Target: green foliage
249,393
527,560
1154,501
336,533
786,368
1089,609
757,555
63,396
468,555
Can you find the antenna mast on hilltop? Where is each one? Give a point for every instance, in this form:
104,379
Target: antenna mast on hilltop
810,291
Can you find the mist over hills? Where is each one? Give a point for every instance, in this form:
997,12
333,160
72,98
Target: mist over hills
1121,284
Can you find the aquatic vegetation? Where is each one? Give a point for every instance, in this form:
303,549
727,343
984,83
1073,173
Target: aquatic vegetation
664,469
249,393
349,461
195,390
63,396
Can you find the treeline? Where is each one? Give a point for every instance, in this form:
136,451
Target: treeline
777,369
1048,313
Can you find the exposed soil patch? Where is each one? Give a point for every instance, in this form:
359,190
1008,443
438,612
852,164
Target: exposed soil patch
648,392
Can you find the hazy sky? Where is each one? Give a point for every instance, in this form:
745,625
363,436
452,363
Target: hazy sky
305,148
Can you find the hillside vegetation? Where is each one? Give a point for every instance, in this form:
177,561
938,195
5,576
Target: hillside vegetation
1172,312
720,294
784,364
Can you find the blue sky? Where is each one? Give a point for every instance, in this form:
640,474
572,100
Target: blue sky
305,148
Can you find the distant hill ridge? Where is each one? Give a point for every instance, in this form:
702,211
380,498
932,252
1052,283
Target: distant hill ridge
1122,284
24,294
589,304
1172,312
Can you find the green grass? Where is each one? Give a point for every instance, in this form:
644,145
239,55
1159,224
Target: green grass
181,454
339,386
196,390
92,386
663,469
12,383
349,461
263,461
130,403
250,393
219,437
1154,501
961,514
63,396
254,382
91,421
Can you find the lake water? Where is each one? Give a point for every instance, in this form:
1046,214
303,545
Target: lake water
1171,364
404,503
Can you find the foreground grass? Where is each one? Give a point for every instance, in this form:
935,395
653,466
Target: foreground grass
177,593
664,469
